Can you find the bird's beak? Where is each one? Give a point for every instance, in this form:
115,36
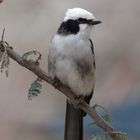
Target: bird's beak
94,22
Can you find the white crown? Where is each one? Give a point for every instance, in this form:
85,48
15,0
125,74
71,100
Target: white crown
76,13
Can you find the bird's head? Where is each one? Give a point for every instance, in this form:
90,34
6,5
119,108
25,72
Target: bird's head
77,21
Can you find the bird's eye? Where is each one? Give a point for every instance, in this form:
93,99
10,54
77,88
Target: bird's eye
80,20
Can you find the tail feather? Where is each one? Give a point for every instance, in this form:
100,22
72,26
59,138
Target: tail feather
73,123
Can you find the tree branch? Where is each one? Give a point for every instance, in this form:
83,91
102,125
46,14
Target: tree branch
66,91
1,1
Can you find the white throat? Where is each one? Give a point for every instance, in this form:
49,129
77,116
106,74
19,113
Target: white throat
85,31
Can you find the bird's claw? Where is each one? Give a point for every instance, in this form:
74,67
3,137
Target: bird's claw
56,82
78,101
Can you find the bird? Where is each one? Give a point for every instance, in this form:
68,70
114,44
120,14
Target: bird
71,61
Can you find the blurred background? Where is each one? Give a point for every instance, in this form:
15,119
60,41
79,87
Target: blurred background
30,25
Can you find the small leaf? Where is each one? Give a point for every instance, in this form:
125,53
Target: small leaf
35,88
99,137
32,56
4,58
106,116
4,61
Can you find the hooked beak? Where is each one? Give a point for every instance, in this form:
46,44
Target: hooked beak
94,22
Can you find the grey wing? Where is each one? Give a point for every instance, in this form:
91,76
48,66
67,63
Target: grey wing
88,98
92,49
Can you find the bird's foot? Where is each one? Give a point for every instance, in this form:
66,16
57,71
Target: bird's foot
56,82
79,100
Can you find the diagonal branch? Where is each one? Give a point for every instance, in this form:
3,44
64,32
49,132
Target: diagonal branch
66,91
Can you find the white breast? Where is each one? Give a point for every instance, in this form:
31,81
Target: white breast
69,50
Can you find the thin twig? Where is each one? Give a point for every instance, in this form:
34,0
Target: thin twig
2,37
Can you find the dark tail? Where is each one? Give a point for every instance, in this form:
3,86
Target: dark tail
73,123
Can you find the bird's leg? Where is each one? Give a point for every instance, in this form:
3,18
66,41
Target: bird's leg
56,82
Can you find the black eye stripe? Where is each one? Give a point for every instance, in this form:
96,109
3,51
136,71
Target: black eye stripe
83,20
69,27
80,19
72,26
